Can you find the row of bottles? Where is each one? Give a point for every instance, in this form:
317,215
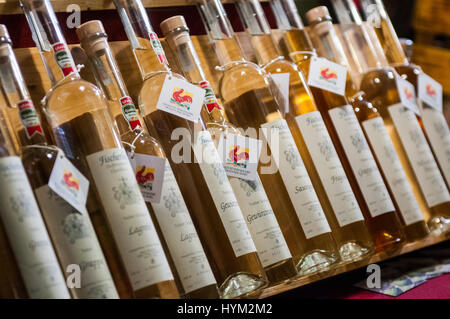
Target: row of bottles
169,199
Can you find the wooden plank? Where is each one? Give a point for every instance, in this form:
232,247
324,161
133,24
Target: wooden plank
12,6
432,16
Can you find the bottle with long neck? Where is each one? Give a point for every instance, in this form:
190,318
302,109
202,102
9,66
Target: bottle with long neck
328,45
190,266
382,89
39,160
270,243
247,95
84,129
208,194
433,121
26,234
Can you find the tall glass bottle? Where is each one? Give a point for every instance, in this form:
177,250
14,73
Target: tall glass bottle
71,231
261,220
153,172
329,46
84,129
380,85
25,230
433,121
208,194
247,95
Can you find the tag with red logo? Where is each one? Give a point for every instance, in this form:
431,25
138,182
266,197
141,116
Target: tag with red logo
29,118
210,98
129,112
430,91
68,182
63,58
181,98
407,94
240,155
157,47
327,75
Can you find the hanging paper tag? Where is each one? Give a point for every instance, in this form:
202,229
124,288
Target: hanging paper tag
68,182
29,118
327,75
240,155
282,81
149,172
129,112
157,47
63,58
430,91
407,94
210,98
181,98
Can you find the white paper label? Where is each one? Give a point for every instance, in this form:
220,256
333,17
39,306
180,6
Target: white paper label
181,237
68,182
419,154
149,171
128,216
77,243
438,133
361,160
407,94
261,221
27,234
181,98
296,178
240,155
378,137
224,199
327,75
430,91
330,169
282,81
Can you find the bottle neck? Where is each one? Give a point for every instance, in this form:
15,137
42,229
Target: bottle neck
377,17
49,40
181,44
109,79
21,113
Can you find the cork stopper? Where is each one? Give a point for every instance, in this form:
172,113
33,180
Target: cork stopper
176,24
318,14
92,36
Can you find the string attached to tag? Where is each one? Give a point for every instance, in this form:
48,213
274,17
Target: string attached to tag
131,145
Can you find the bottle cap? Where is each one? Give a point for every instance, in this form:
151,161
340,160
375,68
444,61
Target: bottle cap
318,14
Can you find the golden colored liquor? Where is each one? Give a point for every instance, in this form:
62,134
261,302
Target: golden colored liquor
170,106
84,129
270,243
70,228
25,230
251,102
328,45
155,177
390,95
429,92
353,236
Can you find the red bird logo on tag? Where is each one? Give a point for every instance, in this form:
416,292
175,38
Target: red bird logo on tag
328,74
430,90
144,175
70,180
238,158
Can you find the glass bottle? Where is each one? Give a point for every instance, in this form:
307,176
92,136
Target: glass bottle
261,220
380,85
83,128
353,237
329,46
71,231
166,204
222,229
432,121
24,227
247,92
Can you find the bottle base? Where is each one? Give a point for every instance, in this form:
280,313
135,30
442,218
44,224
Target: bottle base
241,285
352,251
281,272
439,225
314,262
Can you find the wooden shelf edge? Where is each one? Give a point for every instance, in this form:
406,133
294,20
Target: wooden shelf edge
12,6
303,281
